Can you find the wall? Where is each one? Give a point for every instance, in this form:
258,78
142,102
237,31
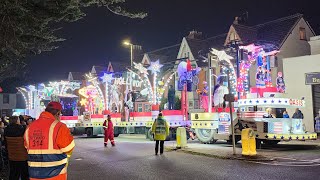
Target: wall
294,70
315,45
12,102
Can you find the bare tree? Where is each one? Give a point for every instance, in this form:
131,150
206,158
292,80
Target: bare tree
26,27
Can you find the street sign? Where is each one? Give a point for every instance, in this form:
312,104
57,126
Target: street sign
312,78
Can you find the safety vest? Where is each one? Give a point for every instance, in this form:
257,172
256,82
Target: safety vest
48,141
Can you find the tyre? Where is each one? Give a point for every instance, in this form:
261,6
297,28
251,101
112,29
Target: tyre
237,138
206,135
258,143
89,132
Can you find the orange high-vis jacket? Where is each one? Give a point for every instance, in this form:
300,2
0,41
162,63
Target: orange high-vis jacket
49,144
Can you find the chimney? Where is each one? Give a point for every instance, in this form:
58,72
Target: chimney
315,45
236,20
194,35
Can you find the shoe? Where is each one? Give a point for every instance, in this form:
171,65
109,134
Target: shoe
113,145
105,145
156,154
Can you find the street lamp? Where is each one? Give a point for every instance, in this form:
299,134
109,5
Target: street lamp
127,43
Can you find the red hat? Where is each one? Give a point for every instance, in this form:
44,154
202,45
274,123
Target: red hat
55,105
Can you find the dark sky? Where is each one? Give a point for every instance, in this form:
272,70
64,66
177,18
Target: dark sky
97,38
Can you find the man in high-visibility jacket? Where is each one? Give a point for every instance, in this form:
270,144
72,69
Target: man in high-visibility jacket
108,131
49,144
160,129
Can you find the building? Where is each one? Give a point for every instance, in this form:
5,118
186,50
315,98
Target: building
10,103
302,79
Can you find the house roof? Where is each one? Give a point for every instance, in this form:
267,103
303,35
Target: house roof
270,34
76,76
276,32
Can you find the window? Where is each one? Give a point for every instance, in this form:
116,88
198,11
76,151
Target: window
139,107
6,99
147,108
302,33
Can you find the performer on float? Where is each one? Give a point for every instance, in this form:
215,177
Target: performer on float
260,77
128,105
204,95
281,87
218,93
171,95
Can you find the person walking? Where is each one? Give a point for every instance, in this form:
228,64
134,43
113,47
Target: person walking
17,153
108,131
160,129
49,144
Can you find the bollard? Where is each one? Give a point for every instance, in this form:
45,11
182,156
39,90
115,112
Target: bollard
181,137
248,140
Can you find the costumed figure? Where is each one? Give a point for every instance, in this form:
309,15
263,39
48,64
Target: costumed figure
108,131
281,87
218,93
260,77
128,105
268,113
204,95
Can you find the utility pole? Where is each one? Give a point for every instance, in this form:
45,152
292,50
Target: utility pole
230,98
210,83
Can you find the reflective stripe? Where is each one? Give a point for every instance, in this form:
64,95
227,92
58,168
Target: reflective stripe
47,164
69,147
53,125
26,137
46,172
44,151
46,157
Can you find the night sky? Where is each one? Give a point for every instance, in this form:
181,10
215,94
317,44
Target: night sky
97,38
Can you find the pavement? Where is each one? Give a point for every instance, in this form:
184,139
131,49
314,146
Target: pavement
299,151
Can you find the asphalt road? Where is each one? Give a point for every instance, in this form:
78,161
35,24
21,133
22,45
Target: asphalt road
134,158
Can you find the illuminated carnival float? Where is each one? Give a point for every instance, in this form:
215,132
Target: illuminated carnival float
255,104
131,97
36,97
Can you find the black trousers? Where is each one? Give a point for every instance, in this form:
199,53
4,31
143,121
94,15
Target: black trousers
161,146
18,169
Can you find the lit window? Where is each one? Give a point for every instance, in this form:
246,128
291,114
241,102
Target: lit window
139,107
302,33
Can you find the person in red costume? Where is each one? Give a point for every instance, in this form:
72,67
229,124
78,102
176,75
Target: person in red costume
108,131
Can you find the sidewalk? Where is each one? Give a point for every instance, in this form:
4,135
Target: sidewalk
299,150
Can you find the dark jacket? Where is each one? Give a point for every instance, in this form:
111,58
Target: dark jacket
171,94
14,142
297,115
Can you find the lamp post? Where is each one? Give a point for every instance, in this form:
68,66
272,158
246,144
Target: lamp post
127,43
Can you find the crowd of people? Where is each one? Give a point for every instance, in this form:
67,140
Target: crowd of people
36,149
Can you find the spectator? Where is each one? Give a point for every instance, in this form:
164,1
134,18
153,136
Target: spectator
17,152
285,114
298,114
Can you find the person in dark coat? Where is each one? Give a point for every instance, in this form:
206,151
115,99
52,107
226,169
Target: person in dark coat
171,94
298,114
18,155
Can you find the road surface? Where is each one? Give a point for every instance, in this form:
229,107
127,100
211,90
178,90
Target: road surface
134,158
